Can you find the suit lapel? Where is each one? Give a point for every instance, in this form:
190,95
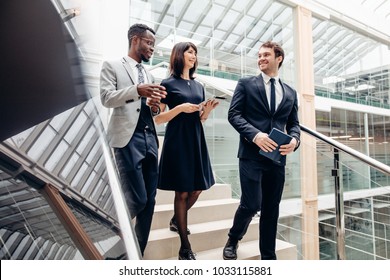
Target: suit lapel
126,65
263,95
283,98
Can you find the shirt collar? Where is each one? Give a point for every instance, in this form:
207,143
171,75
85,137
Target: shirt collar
266,78
132,61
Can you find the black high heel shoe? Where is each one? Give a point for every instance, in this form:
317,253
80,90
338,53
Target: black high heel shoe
186,254
173,227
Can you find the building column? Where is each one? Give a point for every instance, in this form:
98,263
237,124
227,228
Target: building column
303,50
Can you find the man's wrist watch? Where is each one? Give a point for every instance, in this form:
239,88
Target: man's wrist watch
155,110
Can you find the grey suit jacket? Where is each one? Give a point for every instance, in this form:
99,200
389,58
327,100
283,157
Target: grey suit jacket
118,91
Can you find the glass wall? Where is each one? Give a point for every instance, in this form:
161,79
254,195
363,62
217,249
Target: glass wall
353,72
349,66
227,35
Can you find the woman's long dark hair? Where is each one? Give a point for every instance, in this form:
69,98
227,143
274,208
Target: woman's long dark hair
177,59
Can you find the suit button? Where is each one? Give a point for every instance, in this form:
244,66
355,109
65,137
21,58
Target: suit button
138,109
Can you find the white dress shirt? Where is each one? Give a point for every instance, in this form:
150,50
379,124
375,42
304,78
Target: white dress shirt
278,93
278,90
133,66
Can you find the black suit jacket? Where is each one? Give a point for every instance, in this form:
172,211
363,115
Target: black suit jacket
249,114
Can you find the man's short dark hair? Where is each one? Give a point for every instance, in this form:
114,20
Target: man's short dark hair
138,30
277,49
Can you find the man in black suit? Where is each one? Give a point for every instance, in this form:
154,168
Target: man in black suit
259,104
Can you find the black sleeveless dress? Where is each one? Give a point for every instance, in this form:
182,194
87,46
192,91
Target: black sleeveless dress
184,163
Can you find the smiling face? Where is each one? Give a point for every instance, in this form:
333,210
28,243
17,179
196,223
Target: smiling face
267,62
183,60
189,58
144,46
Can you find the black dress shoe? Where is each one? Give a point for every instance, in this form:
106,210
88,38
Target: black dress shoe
230,250
186,254
173,227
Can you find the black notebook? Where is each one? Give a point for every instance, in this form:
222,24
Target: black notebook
280,138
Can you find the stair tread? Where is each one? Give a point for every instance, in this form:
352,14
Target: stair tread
246,250
198,204
195,229
209,223
218,190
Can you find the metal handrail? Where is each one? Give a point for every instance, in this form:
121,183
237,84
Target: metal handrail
358,155
339,200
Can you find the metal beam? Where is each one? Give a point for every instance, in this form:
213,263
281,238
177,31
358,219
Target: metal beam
71,224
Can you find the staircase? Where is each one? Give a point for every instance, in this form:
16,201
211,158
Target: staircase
209,221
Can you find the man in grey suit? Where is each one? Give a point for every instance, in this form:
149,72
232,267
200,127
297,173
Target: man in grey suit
259,104
128,88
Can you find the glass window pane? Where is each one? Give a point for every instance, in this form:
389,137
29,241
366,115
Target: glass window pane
42,143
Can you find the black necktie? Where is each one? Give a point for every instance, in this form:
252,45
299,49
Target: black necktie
272,103
140,74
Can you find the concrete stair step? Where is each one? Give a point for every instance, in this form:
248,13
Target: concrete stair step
249,251
202,211
164,244
209,222
217,191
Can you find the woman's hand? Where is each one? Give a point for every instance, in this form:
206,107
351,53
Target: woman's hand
189,107
208,106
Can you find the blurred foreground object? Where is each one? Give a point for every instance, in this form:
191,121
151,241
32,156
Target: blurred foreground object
40,71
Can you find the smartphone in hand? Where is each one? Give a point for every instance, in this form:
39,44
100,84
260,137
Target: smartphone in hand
210,98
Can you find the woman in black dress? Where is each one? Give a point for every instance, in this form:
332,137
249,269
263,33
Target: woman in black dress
184,164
